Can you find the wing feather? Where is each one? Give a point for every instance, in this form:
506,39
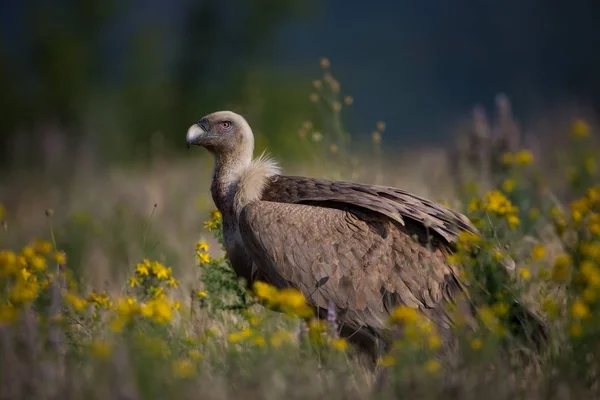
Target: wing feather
364,260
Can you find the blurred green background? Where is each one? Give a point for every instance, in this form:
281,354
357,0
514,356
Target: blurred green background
105,82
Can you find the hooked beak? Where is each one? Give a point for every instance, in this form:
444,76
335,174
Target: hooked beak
197,132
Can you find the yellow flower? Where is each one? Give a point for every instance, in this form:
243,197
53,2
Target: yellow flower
590,273
195,354
524,157
60,258
280,337
77,302
561,269
500,309
538,252
204,258
509,185
525,274
476,344
576,330
580,310
184,368
508,158
142,270
259,341
25,273
133,282
28,252
202,246
201,293
513,221
432,366
590,165
387,361
340,344
216,215
580,129
7,314
237,337
434,342
172,282
160,271
551,307
589,295
265,291
38,263
404,314
43,246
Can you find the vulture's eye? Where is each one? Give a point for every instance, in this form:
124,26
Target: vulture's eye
225,125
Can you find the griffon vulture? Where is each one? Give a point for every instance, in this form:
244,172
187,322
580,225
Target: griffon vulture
363,248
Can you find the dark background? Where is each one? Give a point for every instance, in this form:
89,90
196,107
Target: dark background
115,80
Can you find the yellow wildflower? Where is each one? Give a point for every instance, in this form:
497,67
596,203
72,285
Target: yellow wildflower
8,313
60,258
280,337
513,221
184,368
237,337
195,354
201,293
265,291
38,263
172,282
25,273
524,157
561,269
538,252
387,361
509,185
590,273
432,366
204,258
580,310
259,341
404,314
340,344
142,269
476,344
525,274
500,309
589,295
576,330
202,246
77,302
160,271
43,246
580,129
28,252
133,282
291,298
434,342
508,158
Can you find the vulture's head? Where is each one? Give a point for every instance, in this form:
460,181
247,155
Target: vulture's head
222,133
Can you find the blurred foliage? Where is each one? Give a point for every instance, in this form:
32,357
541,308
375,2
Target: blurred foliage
102,76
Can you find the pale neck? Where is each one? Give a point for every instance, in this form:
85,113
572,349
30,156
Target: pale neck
226,176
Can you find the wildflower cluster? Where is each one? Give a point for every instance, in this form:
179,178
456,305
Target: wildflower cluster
416,340
151,279
290,301
496,206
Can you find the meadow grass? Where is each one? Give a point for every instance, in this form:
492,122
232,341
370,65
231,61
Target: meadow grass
125,291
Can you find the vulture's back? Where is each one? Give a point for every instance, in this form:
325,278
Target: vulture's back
366,249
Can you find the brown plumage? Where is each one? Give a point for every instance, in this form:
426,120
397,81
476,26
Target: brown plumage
366,249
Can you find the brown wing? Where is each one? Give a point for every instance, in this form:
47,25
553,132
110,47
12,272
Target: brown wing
369,264
394,203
